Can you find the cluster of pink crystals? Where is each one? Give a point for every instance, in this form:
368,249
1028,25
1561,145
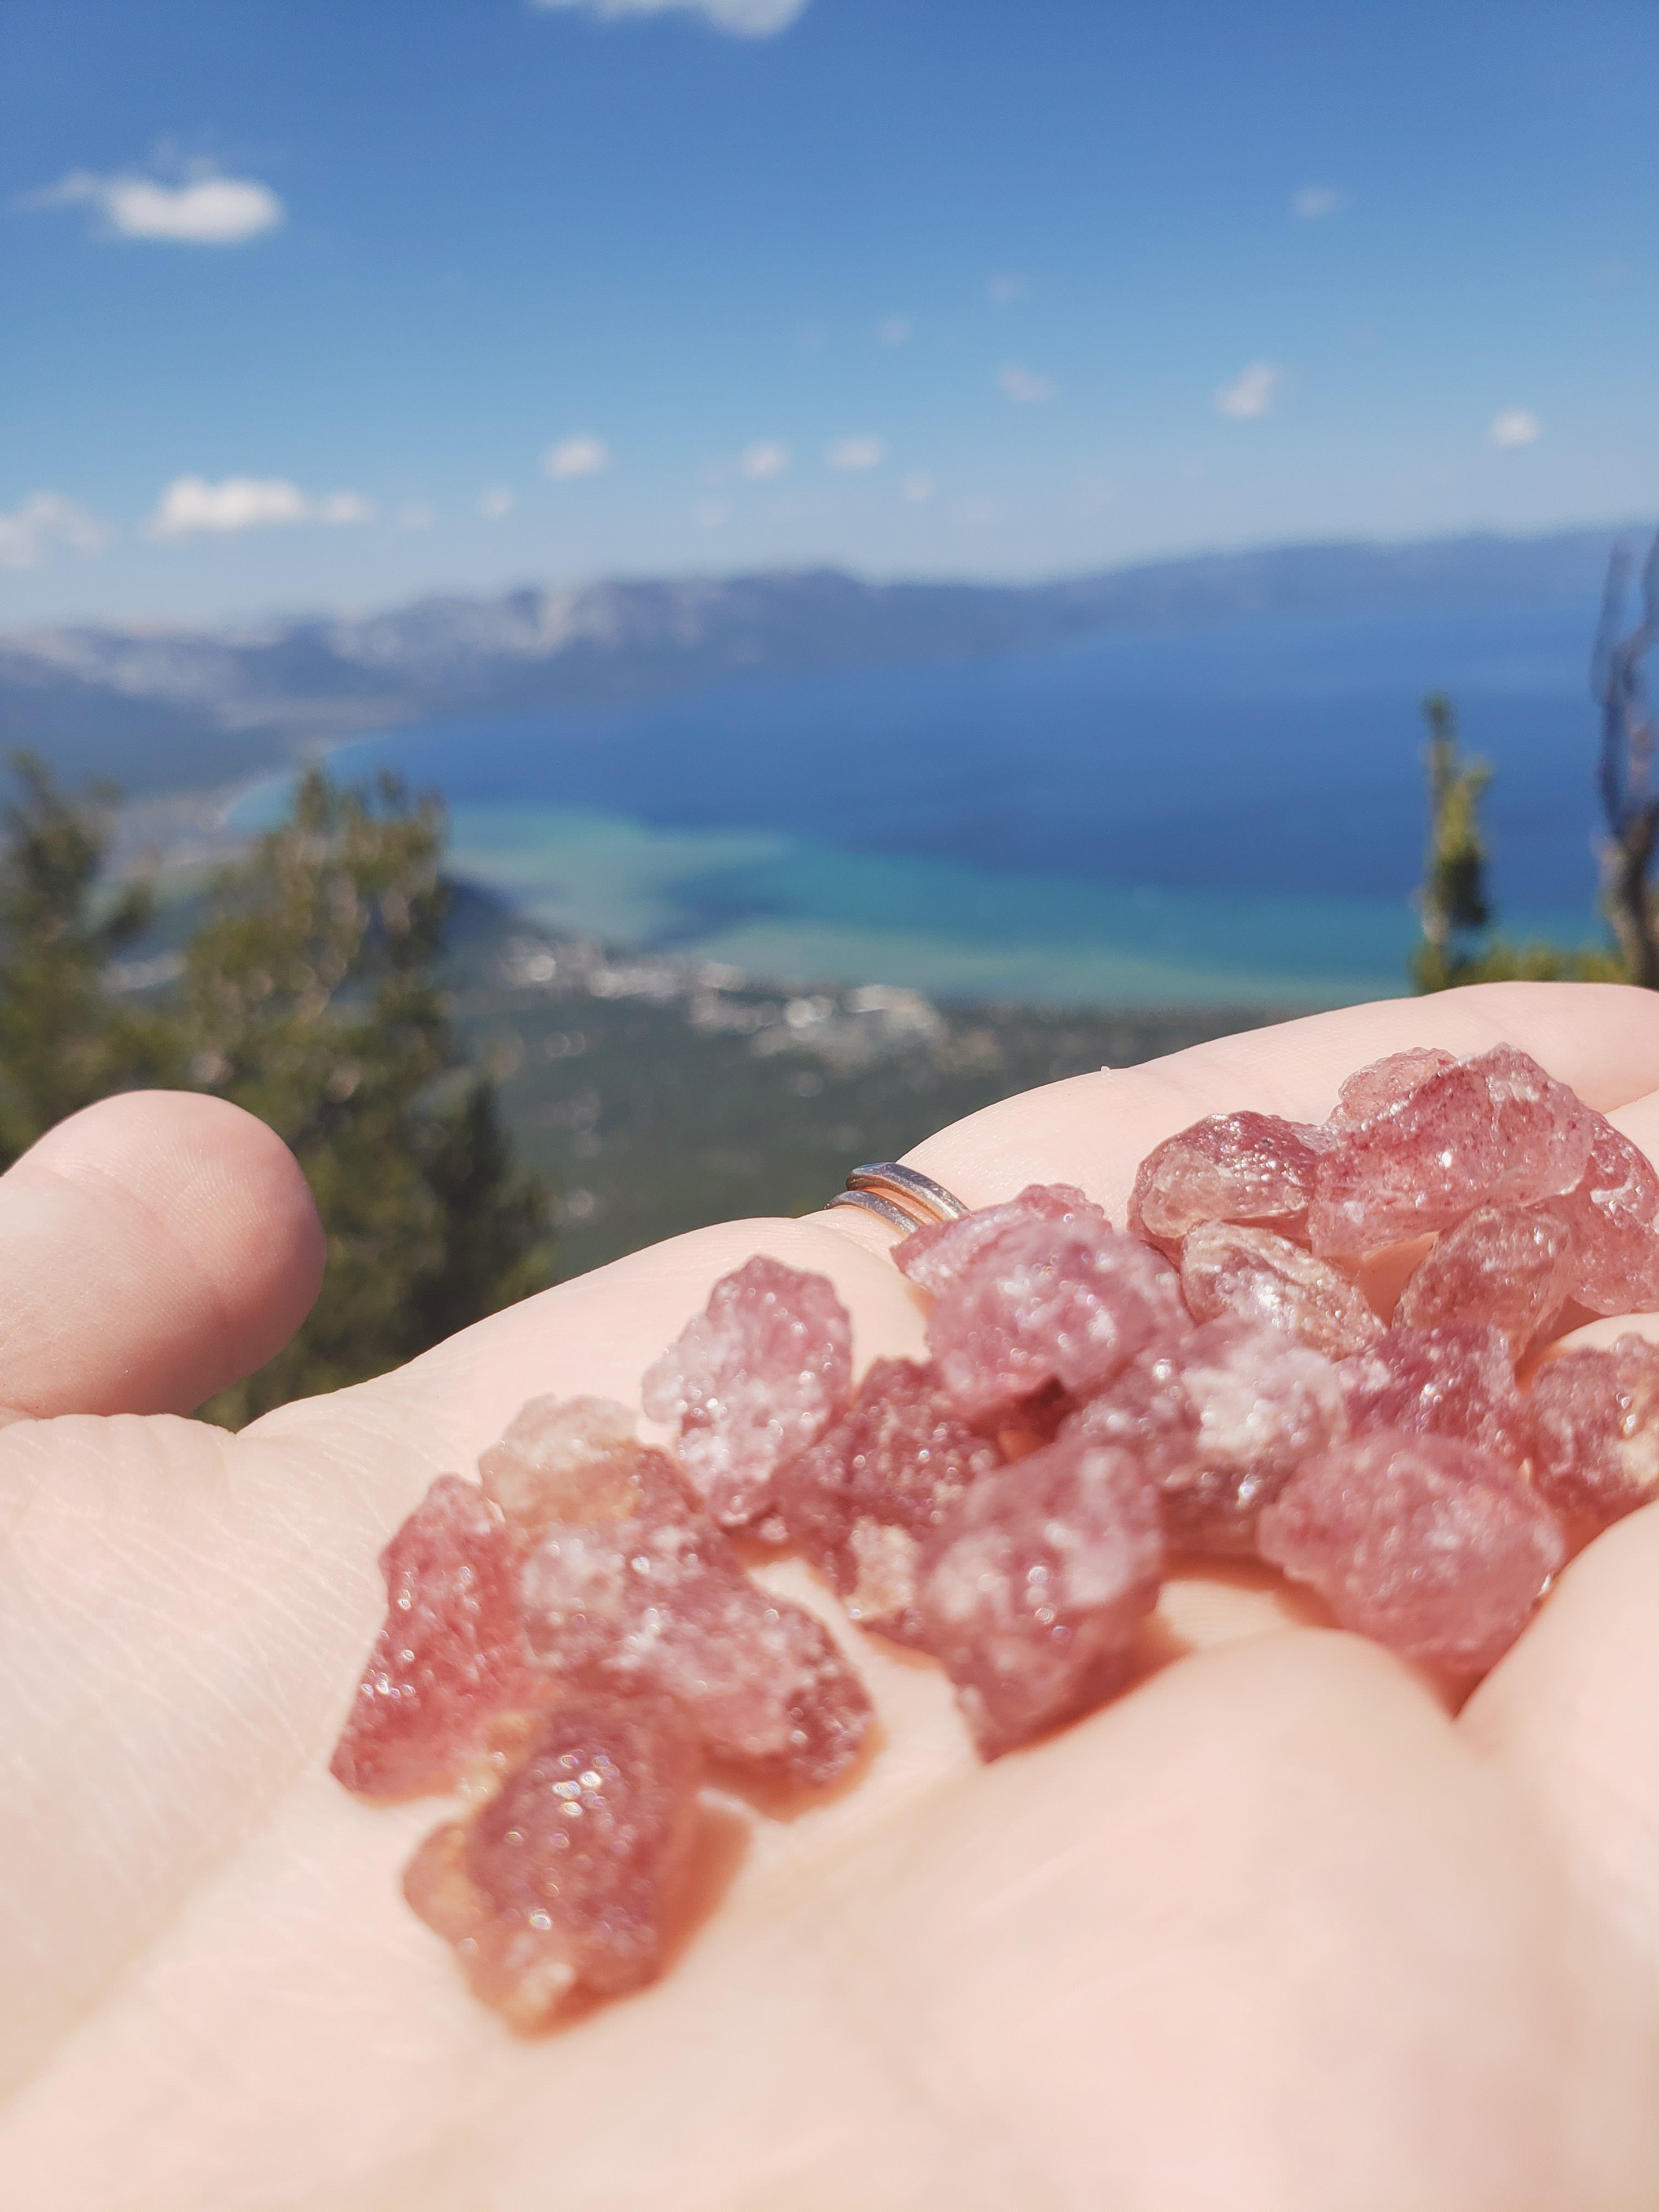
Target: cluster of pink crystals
576,1638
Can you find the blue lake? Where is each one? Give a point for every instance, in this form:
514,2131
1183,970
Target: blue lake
1217,815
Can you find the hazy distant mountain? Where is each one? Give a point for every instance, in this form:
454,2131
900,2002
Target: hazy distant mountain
172,709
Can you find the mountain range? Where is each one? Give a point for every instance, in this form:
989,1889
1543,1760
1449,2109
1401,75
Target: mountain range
170,709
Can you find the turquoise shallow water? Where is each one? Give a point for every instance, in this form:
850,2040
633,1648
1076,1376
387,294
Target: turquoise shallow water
1220,816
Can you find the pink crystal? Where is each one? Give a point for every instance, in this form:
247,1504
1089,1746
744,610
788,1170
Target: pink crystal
1033,1588
1613,1213
451,1656
662,1603
860,1501
1251,1275
1049,1302
1505,1266
1596,1431
1456,1380
1424,1543
564,1881
945,1250
1382,1086
1245,1167
1495,1128
1220,1422
759,1374
577,1460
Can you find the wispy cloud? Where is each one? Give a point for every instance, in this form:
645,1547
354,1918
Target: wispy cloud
745,19
856,453
191,505
893,330
1003,290
764,459
1024,386
1252,393
496,501
1515,425
916,487
581,456
44,521
1314,201
205,209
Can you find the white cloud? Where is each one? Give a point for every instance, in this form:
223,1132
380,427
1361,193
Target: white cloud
856,453
1515,425
1252,394
916,486
1003,290
745,19
495,503
765,458
1024,386
1315,201
191,505
709,513
581,456
893,330
206,210
46,519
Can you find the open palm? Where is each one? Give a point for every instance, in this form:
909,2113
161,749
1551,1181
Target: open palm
1273,1931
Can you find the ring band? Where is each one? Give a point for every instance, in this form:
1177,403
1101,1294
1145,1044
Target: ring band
903,1197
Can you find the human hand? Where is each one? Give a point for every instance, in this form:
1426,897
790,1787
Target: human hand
1273,1931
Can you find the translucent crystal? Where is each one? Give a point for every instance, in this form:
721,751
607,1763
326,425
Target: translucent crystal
1034,1586
1506,1266
564,1881
577,1460
1231,1167
1219,1422
662,1604
1614,1214
1427,1544
860,1501
450,1655
1493,1129
1049,1302
1595,1432
1377,1089
759,1374
1251,1275
1454,1381
945,1250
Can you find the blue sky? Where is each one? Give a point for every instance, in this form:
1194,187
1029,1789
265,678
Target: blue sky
325,302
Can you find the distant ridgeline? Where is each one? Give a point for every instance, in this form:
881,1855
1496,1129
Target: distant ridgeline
172,709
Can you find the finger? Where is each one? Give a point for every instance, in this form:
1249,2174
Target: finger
153,1248
1603,1038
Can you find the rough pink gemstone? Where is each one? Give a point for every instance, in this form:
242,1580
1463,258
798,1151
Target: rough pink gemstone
1613,1213
1251,1275
1496,1128
860,1501
1424,1543
1457,1381
1377,1089
1050,1302
1032,1588
1506,1266
577,1460
1244,1167
1595,1433
945,1250
1220,1422
563,1882
662,1604
451,1656
760,1374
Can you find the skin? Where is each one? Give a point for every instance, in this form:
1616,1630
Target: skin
1280,1929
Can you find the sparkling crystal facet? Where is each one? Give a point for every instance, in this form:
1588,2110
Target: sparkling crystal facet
1505,1266
1457,1381
1595,1432
945,1250
1231,1167
1614,1214
1253,1275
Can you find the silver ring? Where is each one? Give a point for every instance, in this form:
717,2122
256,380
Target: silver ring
902,1196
